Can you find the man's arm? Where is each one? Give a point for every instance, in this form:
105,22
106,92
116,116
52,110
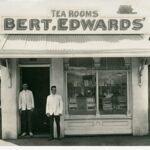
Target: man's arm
47,107
60,105
32,100
20,101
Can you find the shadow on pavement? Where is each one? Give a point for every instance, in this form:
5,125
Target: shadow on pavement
102,140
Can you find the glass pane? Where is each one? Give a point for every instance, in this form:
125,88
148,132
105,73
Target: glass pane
81,93
81,62
113,92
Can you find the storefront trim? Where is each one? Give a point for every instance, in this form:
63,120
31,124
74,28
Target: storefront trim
98,126
74,54
35,65
85,117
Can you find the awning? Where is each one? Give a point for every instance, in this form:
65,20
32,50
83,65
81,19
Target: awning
51,46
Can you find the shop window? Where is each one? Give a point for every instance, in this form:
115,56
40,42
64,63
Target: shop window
81,62
112,64
112,80
112,92
81,93
107,76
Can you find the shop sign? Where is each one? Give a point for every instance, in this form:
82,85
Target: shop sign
73,22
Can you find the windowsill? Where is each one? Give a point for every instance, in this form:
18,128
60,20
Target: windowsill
85,117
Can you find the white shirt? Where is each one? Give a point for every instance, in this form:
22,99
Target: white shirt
26,100
54,104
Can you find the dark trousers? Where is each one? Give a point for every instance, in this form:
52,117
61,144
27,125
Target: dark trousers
26,121
51,123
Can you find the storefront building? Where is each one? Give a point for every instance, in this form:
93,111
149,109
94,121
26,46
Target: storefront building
103,80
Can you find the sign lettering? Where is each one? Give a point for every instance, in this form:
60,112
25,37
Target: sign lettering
72,22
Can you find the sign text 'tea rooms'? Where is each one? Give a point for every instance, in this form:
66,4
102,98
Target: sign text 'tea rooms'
73,22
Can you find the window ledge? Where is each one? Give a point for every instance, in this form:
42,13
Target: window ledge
85,117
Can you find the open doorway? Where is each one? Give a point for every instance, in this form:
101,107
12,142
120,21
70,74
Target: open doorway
149,97
38,79
0,110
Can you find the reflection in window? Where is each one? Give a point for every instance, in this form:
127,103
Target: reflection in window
81,93
111,77
113,92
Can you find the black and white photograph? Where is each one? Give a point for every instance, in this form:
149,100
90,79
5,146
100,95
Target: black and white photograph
75,73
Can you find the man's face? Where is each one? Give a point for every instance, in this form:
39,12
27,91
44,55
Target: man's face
53,91
25,86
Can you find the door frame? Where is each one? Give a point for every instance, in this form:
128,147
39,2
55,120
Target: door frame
149,99
20,81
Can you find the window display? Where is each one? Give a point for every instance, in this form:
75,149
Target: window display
113,92
81,93
108,79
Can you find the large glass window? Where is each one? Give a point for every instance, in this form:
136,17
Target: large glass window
81,93
97,86
112,92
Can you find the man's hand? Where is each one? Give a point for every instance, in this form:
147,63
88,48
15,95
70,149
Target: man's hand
20,111
48,114
32,110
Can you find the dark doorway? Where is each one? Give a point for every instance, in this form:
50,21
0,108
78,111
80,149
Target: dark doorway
0,113
149,97
38,81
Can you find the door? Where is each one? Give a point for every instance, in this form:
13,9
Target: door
38,80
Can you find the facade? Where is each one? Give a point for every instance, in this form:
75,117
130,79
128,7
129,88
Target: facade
102,95
102,77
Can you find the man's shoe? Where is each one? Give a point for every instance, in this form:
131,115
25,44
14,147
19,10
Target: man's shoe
51,138
59,138
23,134
31,134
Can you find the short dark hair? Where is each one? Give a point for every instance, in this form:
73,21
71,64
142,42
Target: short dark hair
54,86
25,84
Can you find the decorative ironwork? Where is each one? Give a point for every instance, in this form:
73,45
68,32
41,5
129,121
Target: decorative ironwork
142,62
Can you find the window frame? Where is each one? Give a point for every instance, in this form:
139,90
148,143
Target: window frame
66,85
128,92
98,114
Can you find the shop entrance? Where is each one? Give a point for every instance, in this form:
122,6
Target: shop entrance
38,80
149,96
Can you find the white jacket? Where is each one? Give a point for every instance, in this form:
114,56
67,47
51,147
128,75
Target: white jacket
54,104
26,100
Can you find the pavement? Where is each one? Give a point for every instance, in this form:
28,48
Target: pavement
102,140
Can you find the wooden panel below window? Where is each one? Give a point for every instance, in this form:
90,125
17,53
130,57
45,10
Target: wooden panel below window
98,126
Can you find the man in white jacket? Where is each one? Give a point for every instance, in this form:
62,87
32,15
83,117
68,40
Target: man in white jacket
26,106
54,109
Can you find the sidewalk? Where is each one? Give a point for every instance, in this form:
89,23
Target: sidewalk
102,140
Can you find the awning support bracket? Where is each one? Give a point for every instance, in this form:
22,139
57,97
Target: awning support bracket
9,73
142,62
5,63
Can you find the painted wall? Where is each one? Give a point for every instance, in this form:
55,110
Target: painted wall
140,100
9,101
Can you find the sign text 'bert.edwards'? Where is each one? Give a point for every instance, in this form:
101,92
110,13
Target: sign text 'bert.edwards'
72,22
